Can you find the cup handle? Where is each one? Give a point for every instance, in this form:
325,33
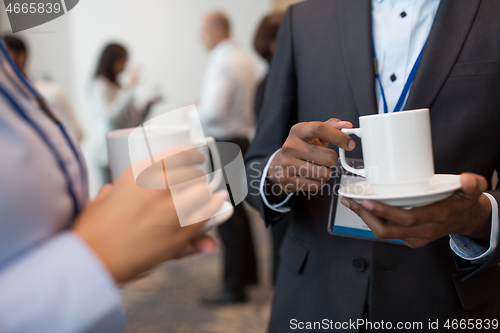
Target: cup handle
359,172
214,151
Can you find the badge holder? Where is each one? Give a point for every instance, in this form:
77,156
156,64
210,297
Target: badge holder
341,220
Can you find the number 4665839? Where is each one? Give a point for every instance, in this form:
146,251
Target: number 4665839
33,8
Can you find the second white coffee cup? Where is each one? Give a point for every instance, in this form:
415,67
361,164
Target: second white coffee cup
143,148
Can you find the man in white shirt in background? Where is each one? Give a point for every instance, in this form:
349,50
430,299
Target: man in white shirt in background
225,111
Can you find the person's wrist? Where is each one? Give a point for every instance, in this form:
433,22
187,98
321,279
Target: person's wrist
274,169
481,230
81,235
273,189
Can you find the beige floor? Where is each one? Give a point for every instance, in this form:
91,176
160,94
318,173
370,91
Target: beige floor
167,301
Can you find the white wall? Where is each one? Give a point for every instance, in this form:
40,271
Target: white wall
161,35
48,45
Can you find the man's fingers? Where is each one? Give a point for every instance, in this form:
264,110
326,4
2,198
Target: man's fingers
376,224
312,152
324,132
293,167
473,184
395,215
413,226
338,124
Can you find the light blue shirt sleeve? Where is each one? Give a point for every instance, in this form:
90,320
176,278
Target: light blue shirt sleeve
59,287
468,249
279,207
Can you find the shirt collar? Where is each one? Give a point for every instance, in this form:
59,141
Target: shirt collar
222,46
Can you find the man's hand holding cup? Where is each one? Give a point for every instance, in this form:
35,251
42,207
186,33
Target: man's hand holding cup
305,161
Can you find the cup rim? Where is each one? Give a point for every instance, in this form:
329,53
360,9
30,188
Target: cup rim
393,114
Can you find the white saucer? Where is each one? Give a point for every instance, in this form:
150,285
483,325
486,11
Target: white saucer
442,186
222,215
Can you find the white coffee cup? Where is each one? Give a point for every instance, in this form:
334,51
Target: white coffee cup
144,147
397,151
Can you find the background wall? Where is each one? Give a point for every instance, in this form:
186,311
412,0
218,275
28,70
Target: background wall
162,38
161,35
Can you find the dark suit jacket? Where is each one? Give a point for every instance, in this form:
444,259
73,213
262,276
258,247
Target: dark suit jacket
259,96
323,68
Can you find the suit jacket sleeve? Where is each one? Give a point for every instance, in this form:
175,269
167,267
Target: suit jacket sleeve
279,114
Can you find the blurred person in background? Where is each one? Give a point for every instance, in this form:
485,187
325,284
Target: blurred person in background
112,104
61,257
225,111
264,43
50,90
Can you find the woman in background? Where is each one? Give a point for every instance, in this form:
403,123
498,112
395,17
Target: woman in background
113,104
265,43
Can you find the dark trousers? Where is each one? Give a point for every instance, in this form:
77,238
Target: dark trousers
240,264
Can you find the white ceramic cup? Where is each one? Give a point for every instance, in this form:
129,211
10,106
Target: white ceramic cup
143,148
397,151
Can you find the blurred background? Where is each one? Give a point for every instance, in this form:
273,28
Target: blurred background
163,43
161,36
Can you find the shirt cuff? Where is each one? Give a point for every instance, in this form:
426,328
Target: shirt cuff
279,207
59,287
468,249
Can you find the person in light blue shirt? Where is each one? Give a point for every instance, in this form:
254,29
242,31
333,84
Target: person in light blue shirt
61,256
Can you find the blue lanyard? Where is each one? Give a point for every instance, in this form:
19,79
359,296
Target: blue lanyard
20,111
406,88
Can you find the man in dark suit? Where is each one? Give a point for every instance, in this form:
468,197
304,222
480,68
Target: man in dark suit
264,43
323,68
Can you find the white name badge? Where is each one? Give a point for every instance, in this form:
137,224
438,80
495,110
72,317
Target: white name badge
347,223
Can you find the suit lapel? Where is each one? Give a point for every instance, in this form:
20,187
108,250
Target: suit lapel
449,31
355,20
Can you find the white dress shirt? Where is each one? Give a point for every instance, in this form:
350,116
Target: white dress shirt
400,29
226,103
50,280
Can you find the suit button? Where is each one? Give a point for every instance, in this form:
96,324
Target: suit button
359,264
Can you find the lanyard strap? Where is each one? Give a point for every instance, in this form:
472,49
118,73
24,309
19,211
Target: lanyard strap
76,207
406,88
